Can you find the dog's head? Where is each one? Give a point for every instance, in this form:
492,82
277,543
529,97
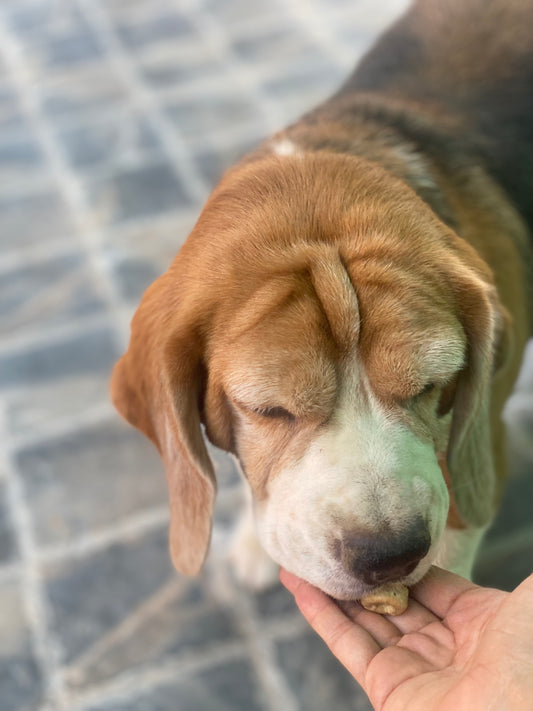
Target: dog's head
334,335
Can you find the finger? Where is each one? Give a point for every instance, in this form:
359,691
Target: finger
440,589
414,618
353,646
381,628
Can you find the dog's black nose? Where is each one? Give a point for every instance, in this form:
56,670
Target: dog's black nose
387,556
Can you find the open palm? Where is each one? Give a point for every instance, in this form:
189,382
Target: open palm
457,647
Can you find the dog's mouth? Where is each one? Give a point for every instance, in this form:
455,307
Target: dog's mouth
344,587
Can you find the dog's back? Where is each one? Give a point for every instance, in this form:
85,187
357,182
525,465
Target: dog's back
472,59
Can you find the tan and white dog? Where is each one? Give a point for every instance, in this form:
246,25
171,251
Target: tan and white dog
349,314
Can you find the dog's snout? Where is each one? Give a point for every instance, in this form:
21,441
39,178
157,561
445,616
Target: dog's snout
382,557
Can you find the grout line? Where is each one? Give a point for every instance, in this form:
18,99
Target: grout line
67,181
88,544
65,425
259,638
45,645
135,682
175,148
262,654
146,612
51,335
245,78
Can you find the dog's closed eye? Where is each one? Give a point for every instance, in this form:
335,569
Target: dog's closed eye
275,413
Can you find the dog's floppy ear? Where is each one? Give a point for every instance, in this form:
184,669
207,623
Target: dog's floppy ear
158,387
469,456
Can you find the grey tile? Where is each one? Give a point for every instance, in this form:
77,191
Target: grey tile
36,18
20,157
78,483
8,550
229,687
146,191
50,293
157,240
233,12
153,635
63,50
208,114
172,69
314,78
33,219
133,276
29,410
317,678
163,25
284,43
212,163
124,140
90,351
275,603
11,113
80,94
20,679
90,598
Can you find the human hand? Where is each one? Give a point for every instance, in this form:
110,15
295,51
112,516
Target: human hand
457,647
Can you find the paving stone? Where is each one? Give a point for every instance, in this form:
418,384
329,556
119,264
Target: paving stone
122,141
274,603
237,11
133,276
304,84
229,687
11,114
317,679
166,25
209,114
212,163
157,240
36,18
89,351
21,685
8,551
78,95
28,411
124,609
154,634
172,69
281,43
93,477
49,293
89,598
32,219
63,49
20,157
145,191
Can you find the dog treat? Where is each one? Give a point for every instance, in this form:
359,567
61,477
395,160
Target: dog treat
389,599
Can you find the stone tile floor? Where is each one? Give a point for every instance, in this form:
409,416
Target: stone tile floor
116,117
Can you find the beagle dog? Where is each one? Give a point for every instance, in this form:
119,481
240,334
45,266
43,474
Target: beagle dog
348,315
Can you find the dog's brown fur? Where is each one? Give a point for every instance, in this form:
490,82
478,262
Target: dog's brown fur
418,176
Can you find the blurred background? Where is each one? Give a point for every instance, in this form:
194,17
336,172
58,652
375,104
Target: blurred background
116,119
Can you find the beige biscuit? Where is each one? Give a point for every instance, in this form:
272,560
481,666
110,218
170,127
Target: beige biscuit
389,599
